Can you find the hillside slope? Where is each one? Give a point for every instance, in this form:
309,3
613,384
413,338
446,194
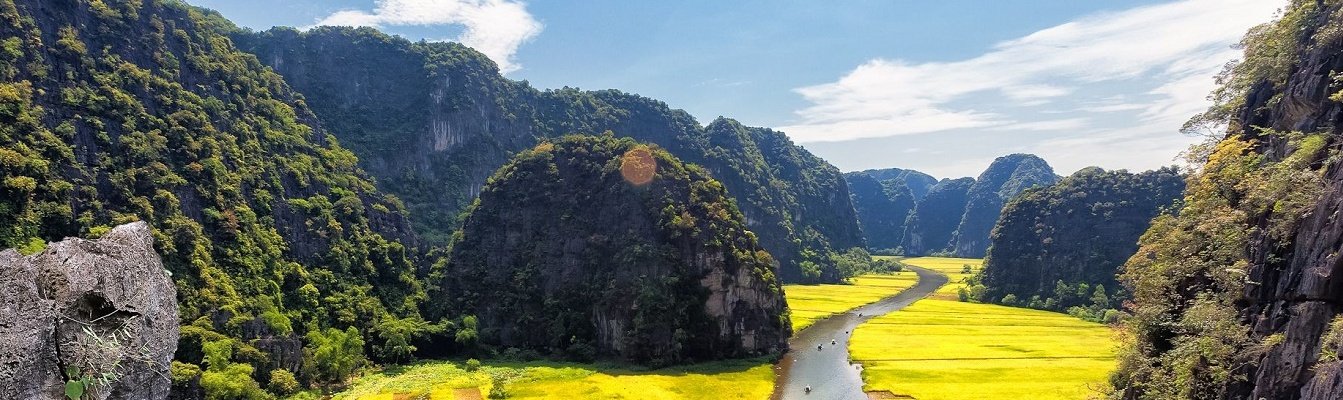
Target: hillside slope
114,111
433,120
932,224
1058,246
596,246
1006,177
1239,296
882,208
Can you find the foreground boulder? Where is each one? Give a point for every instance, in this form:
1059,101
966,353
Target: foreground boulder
603,247
83,309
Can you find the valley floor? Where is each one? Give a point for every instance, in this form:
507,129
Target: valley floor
936,348
442,380
809,303
940,348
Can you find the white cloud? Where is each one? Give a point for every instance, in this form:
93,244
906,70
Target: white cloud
1163,54
494,27
1070,124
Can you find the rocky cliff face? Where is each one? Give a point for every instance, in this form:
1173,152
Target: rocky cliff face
1240,297
602,246
932,224
1004,179
882,207
84,308
1300,286
433,120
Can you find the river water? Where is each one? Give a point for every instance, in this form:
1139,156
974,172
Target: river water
828,370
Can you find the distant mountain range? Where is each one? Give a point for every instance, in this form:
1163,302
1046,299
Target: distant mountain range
910,212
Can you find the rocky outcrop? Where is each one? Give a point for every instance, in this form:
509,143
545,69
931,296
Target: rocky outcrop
84,308
596,246
882,207
1004,179
931,225
1286,221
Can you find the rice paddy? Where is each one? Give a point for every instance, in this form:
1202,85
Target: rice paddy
809,303
444,380
937,348
940,348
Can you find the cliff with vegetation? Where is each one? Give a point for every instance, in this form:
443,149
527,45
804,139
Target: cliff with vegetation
288,263
882,207
1238,296
601,247
1059,247
1006,177
432,121
918,183
932,223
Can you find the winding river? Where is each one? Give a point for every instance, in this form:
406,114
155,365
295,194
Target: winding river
828,370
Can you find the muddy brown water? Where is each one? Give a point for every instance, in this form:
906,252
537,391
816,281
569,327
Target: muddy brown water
828,370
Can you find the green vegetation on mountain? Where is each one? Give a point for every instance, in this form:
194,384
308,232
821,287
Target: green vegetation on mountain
882,208
1006,177
918,183
592,246
1058,247
1236,297
432,121
931,225
285,256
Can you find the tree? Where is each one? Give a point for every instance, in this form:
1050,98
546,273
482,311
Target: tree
333,354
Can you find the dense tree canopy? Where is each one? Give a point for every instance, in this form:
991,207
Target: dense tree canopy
601,246
117,110
1060,246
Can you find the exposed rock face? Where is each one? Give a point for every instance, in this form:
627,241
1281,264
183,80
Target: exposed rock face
1292,287
882,207
1302,284
1004,179
579,247
931,225
101,306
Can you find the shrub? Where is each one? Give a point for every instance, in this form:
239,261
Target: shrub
333,355
282,382
472,365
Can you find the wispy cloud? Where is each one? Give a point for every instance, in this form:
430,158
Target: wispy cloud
1163,55
1070,124
494,27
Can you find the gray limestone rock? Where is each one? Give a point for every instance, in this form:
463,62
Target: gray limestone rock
85,308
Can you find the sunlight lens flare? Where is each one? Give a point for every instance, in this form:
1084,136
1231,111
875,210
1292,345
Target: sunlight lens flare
638,167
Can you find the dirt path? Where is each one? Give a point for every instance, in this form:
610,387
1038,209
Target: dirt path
828,370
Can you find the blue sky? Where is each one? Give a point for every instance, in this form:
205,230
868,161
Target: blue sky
939,86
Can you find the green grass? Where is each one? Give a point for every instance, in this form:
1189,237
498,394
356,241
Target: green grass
939,348
737,379
809,303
